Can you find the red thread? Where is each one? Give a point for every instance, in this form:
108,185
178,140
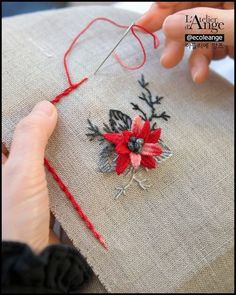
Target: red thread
67,91
156,44
73,86
155,40
77,207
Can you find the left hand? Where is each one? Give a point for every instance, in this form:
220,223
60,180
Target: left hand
25,204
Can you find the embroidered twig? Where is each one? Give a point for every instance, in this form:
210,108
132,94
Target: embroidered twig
143,184
137,108
95,132
107,128
122,190
150,102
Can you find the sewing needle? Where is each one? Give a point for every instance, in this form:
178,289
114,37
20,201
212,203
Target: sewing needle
126,32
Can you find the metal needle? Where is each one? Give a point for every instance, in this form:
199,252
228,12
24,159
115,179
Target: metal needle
126,32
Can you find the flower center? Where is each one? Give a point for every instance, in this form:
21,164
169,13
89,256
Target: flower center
135,144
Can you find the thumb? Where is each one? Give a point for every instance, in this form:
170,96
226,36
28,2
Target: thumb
32,134
174,25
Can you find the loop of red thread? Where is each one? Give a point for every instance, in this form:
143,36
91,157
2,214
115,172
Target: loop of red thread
155,44
67,91
155,38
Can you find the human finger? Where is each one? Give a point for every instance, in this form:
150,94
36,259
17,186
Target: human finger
172,54
32,133
199,64
153,19
174,26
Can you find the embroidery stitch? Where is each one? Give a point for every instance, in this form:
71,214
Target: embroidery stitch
147,98
73,86
119,121
128,145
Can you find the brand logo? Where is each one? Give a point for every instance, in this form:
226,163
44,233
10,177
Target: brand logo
203,23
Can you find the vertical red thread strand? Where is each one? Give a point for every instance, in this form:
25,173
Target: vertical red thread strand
73,86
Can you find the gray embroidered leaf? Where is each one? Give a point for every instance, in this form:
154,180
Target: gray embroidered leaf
107,158
166,152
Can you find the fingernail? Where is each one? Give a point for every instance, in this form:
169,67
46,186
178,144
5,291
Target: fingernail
162,59
44,107
194,73
199,64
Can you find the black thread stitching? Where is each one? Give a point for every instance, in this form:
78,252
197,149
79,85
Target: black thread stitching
118,121
150,102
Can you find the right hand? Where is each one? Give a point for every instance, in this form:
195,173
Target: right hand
171,17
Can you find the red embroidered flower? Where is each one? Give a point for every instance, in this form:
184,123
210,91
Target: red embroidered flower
137,146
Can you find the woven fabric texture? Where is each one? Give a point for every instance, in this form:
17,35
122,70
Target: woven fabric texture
160,240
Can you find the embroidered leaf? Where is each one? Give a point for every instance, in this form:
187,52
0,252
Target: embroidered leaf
119,121
107,159
165,154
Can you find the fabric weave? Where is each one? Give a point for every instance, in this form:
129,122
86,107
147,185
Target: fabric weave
158,239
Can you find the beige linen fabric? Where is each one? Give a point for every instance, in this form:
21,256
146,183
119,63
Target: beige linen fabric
161,239
93,286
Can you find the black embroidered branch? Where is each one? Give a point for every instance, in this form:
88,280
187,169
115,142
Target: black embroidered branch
118,121
163,115
148,99
95,132
107,128
137,108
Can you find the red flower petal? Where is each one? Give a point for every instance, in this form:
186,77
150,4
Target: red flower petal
122,163
135,160
114,137
154,136
145,130
126,135
121,148
148,162
136,125
151,149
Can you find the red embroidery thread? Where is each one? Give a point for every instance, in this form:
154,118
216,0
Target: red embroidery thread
68,91
73,86
77,207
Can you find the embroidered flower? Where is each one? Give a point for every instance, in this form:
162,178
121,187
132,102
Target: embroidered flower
135,142
137,146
